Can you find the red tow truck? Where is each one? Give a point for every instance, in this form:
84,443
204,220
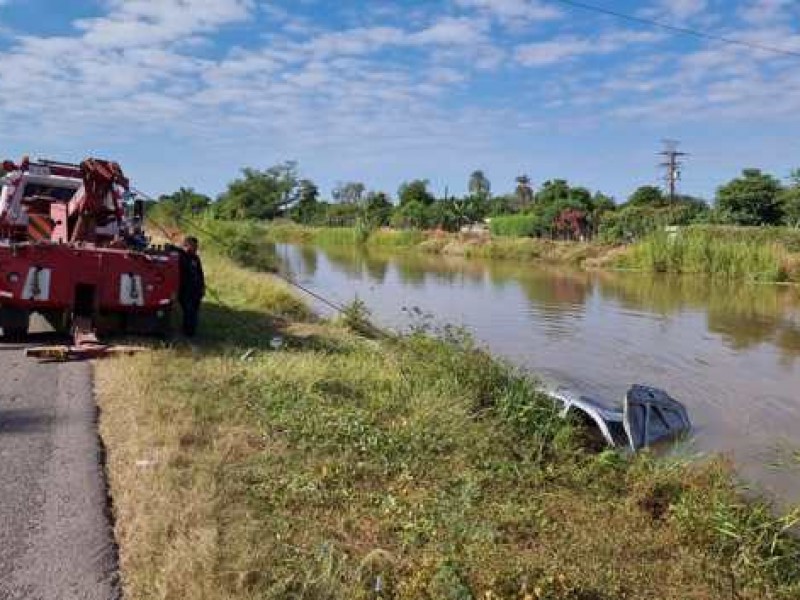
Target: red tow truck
73,249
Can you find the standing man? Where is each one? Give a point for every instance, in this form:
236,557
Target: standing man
192,287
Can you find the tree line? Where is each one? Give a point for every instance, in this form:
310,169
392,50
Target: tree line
556,209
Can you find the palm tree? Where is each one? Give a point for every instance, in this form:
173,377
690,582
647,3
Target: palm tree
524,192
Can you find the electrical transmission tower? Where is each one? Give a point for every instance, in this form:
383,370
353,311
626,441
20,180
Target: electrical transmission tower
673,165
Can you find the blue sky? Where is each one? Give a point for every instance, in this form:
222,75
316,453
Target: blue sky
185,92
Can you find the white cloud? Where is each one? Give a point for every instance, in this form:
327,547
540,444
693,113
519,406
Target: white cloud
354,41
680,10
451,31
568,47
515,11
762,12
147,22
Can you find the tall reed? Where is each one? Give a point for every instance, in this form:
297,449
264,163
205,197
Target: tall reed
704,251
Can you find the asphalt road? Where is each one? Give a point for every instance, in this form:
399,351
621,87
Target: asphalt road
56,541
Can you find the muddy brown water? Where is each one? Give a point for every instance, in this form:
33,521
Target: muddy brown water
729,351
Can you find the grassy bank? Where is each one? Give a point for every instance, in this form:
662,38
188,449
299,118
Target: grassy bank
718,252
467,245
756,254
288,458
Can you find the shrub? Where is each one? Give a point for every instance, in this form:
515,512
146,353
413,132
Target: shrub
514,226
702,251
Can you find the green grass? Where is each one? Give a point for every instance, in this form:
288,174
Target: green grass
704,251
295,459
388,238
514,226
344,236
469,245
787,237
754,254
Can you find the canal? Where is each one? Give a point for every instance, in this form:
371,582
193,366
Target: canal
729,351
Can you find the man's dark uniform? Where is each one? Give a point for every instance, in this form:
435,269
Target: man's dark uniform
192,290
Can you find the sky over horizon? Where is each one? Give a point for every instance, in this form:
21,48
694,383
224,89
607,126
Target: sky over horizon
186,92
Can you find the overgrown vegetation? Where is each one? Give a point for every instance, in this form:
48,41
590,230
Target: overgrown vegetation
468,245
286,458
514,226
756,254
526,223
704,250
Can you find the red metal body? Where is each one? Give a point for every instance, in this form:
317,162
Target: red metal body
69,252
151,280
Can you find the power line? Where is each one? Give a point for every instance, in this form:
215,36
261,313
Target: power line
678,29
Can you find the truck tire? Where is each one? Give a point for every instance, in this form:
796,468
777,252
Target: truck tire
164,327
158,324
59,320
15,323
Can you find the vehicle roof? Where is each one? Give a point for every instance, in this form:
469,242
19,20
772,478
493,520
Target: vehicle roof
51,180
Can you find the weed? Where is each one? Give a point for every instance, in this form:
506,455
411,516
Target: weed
357,317
515,226
701,250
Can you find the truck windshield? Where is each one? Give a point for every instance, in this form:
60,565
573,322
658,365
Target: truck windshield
48,191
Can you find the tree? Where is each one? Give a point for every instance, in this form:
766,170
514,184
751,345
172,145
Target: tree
553,191
598,207
689,209
261,194
185,201
571,223
442,214
752,199
472,209
307,207
647,195
412,214
171,207
342,215
378,209
479,186
500,205
415,191
523,193
351,192
602,203
790,201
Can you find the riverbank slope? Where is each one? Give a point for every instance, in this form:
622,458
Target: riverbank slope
286,457
756,254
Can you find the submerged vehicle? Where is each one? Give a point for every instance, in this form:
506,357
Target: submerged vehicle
73,249
647,417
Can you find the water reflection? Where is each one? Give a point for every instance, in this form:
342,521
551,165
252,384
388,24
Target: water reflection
309,257
730,351
742,315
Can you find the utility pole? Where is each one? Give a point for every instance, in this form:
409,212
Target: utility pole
673,164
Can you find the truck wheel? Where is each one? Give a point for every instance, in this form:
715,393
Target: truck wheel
15,323
164,327
15,335
59,321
